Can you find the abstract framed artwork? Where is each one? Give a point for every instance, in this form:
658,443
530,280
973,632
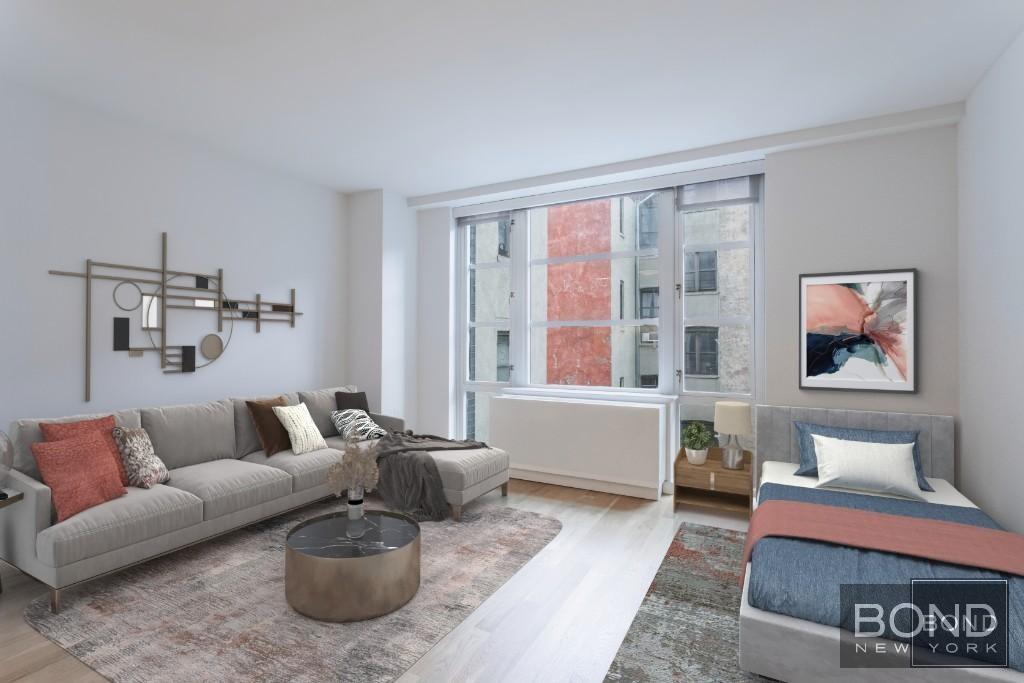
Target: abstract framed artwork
857,331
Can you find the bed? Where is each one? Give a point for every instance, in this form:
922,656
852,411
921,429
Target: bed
795,649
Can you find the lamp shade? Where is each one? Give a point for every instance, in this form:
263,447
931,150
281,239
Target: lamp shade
732,417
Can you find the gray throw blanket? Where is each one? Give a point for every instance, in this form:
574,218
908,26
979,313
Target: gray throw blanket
409,480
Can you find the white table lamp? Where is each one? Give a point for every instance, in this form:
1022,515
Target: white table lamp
732,418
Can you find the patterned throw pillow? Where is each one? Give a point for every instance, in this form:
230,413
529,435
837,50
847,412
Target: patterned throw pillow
141,464
302,431
356,424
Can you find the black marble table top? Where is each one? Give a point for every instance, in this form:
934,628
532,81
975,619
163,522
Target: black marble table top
327,535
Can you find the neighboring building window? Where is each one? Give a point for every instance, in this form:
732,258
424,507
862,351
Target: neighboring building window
504,364
702,351
622,299
622,216
647,224
649,381
622,381
648,302
504,228
701,273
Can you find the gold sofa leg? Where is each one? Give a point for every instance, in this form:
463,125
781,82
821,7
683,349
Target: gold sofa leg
55,600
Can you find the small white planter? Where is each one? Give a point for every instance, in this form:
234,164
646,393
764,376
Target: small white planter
695,457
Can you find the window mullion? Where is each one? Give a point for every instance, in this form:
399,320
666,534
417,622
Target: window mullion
519,347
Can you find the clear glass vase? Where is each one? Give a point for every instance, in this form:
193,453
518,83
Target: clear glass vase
356,524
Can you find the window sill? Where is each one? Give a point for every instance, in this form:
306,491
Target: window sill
611,394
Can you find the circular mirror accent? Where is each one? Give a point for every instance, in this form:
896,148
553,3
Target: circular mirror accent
211,347
120,304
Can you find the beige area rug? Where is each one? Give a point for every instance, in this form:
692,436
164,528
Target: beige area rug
217,611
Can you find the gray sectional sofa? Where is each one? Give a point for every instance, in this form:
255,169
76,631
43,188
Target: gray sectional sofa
220,480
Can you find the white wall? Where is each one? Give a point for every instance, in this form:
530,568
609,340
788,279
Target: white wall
381,328
436,324
991,284
887,202
363,326
398,311
76,184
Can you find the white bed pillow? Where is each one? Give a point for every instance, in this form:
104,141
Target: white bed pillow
862,466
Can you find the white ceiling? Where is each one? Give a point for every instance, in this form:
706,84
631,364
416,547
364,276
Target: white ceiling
422,96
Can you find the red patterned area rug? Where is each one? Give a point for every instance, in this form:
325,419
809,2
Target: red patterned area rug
217,611
687,628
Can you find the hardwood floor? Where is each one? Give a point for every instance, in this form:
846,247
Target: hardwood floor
561,618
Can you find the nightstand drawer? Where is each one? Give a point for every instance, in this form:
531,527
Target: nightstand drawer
733,481
695,477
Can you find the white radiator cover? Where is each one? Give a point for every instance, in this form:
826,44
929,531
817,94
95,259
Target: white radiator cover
615,447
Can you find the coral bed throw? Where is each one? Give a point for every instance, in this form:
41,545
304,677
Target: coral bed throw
930,539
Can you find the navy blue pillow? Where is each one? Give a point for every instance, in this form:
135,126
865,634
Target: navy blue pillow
809,461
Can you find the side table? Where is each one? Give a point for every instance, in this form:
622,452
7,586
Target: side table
12,498
712,485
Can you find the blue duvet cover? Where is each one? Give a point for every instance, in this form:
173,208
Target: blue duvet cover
801,578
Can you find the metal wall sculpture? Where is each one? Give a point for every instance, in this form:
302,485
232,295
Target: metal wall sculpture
138,289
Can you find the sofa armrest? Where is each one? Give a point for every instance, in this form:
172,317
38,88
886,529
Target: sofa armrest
392,424
22,521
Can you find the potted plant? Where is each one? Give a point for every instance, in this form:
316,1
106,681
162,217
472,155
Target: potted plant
696,439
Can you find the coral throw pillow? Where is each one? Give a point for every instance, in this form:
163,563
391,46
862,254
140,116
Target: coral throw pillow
58,431
79,472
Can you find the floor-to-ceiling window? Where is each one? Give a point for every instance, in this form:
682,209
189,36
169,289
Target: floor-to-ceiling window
646,291
716,226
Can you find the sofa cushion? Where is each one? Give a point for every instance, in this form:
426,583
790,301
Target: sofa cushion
188,435
460,470
137,516
26,432
321,404
247,440
307,470
227,486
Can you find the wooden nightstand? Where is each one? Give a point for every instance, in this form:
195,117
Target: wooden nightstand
713,486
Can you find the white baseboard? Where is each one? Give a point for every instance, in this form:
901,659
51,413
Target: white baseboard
617,488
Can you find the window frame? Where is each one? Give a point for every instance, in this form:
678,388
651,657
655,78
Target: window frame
671,317
666,278
754,322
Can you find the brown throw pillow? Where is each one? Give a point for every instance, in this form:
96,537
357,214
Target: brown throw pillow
351,400
273,435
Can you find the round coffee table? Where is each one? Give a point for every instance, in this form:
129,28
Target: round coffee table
332,577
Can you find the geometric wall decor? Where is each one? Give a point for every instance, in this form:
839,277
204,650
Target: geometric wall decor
153,291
